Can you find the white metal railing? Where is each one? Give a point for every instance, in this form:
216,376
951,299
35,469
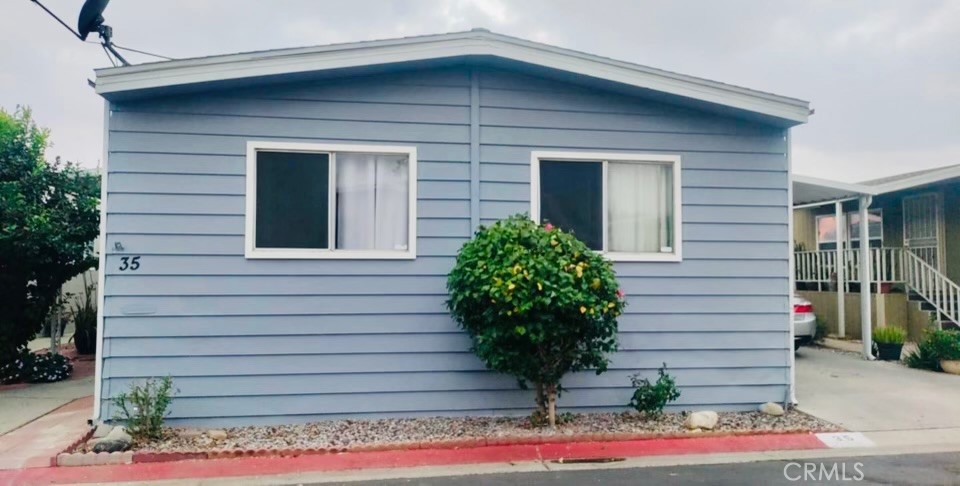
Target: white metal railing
932,285
819,266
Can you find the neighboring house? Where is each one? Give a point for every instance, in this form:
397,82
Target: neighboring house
280,224
914,236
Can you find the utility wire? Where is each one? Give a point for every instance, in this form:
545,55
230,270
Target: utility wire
107,51
143,52
64,24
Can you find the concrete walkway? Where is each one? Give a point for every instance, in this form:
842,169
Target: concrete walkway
875,396
19,406
36,444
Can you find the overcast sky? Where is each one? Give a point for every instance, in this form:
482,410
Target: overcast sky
883,76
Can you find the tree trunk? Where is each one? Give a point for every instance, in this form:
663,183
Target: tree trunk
541,400
552,404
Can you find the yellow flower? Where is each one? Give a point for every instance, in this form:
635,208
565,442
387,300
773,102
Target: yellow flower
539,286
511,286
611,305
554,242
579,271
583,310
595,284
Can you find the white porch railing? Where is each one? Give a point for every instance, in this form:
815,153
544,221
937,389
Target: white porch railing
932,285
887,265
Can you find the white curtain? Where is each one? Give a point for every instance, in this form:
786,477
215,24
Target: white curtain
640,207
372,201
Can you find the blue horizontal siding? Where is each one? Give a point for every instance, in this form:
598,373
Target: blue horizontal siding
273,341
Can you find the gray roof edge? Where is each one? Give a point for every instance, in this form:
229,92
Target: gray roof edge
436,46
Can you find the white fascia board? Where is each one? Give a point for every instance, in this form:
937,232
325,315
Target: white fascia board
290,61
850,187
920,180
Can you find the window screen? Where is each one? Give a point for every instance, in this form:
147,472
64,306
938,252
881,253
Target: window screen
292,200
571,198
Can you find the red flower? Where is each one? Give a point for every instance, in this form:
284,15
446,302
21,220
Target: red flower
548,227
621,294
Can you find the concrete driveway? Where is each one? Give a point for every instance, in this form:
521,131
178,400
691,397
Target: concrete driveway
19,406
875,396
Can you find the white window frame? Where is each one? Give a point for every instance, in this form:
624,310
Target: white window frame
252,252
851,237
604,158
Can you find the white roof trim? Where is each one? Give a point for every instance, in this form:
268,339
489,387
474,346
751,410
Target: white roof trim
850,187
918,180
812,191
472,43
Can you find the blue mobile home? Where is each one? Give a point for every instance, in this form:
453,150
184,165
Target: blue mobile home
278,225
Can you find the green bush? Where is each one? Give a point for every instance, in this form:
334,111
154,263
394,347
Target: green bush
649,399
936,345
35,368
822,330
84,314
49,213
889,335
143,408
537,304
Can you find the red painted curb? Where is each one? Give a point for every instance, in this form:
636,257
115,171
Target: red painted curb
459,444
258,466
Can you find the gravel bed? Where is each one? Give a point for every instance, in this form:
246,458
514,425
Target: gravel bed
351,433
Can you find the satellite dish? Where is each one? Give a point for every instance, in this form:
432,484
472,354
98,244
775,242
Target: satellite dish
91,17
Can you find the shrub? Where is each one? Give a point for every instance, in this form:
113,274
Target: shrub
537,304
35,368
889,335
649,399
84,314
936,345
821,331
143,408
49,214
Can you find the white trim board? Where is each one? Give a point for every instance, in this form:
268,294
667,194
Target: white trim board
101,268
603,158
474,43
250,250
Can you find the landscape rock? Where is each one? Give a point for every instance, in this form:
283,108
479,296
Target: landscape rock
706,419
349,433
117,440
771,408
189,432
102,430
217,434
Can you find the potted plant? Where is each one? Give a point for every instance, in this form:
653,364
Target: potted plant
946,345
889,341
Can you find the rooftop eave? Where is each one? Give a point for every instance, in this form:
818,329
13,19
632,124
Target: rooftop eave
113,81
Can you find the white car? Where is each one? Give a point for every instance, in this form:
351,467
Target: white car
804,322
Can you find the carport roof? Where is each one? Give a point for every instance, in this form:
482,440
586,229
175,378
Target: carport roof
813,190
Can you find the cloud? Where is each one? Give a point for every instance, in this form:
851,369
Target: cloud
880,73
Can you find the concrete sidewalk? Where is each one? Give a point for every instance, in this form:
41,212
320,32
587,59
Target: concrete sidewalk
875,396
20,405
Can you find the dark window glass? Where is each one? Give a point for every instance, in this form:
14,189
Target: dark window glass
292,200
571,197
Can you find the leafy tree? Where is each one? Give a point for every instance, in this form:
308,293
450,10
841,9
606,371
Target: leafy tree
48,218
537,303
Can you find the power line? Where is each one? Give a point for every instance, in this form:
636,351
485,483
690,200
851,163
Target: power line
64,24
143,52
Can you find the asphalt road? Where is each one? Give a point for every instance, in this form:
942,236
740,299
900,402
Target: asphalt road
916,469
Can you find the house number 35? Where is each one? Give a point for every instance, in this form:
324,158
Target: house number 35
129,263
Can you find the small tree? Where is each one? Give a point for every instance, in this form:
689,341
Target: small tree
537,304
48,219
